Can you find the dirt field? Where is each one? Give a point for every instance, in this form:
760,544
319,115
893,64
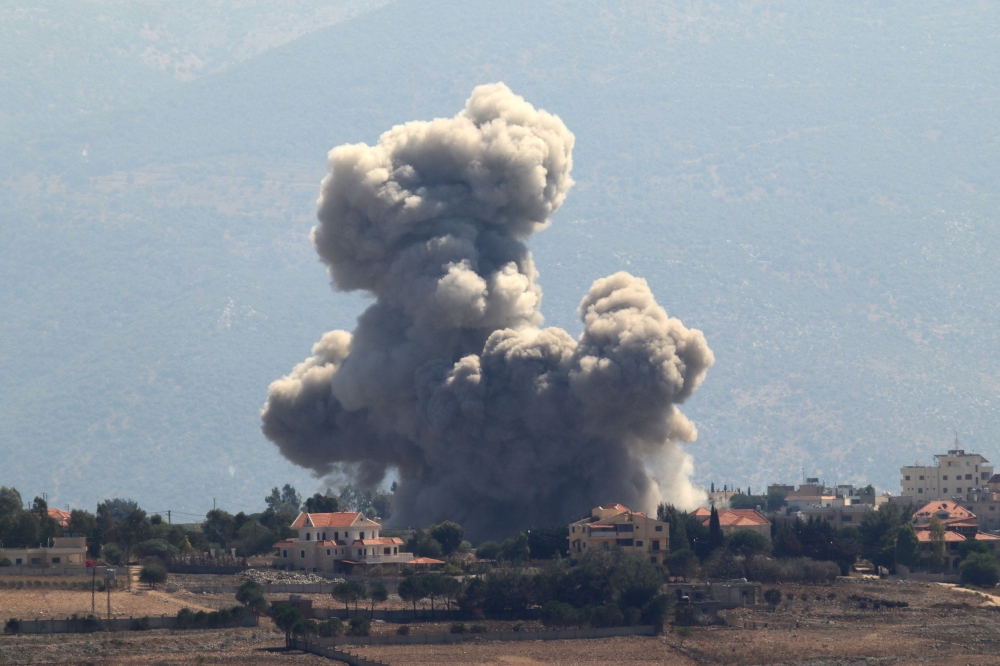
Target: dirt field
940,626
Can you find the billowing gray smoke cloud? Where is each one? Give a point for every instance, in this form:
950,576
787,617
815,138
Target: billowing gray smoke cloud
448,378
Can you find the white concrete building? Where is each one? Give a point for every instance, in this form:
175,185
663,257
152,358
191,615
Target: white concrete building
954,474
330,542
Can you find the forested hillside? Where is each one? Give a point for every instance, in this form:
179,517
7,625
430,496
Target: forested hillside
815,187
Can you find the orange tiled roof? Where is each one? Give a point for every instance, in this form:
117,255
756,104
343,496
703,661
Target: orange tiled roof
283,543
924,536
60,516
982,536
382,541
424,560
338,519
944,510
731,517
331,542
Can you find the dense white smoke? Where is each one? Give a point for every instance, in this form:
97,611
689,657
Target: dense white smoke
490,420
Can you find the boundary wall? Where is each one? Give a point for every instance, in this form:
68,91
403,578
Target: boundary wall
505,636
82,625
28,571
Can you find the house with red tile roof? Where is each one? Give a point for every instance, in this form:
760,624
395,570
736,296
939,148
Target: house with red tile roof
60,516
617,526
960,525
732,520
336,542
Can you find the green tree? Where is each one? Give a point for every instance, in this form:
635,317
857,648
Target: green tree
773,597
10,501
548,542
488,550
878,533
635,582
321,504
980,569
683,563
907,546
411,589
286,618
748,544
938,557
251,595
448,535
377,594
434,586
716,539
218,526
152,574
348,592
515,549
422,544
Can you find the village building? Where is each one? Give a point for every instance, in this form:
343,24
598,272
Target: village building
334,542
616,526
954,475
960,525
61,552
733,520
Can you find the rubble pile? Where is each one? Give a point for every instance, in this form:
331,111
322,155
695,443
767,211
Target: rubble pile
275,576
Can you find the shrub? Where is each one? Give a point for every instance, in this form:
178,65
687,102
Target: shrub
452,570
764,569
360,626
773,597
519,626
332,627
458,628
12,626
5,562
152,574
608,615
980,569
488,550
142,624
478,629
403,630
559,615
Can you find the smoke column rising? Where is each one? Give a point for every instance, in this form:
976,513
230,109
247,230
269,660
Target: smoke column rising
490,420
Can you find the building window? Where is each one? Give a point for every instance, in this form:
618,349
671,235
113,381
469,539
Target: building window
659,528
359,552
992,508
656,544
308,536
920,490
18,561
36,560
386,551
985,476
362,537
907,478
638,544
846,519
968,477
945,477
921,477
958,490
56,560
327,551
336,535
284,553
944,490
623,542
624,527
324,536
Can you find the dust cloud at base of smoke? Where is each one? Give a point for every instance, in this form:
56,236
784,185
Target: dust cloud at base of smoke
449,380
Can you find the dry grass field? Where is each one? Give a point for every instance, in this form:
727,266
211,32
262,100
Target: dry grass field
940,626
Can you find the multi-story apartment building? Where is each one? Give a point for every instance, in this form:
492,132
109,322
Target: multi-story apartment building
954,475
618,526
330,542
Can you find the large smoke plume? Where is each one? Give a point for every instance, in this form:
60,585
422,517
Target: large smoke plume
488,419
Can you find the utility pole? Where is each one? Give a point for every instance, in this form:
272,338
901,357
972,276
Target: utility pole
168,516
93,589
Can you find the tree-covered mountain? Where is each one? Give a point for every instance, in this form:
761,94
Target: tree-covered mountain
813,186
